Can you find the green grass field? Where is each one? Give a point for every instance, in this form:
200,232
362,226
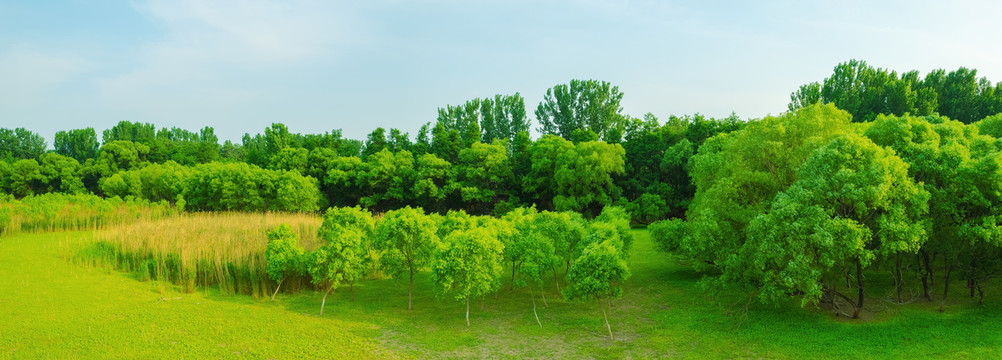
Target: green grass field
51,307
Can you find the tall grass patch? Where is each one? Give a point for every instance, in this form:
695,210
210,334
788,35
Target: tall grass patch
61,212
201,249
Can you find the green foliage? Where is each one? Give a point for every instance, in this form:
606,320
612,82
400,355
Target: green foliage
389,179
866,92
596,271
26,178
469,264
239,186
618,219
156,182
121,155
56,211
991,126
566,232
80,144
408,239
853,203
584,177
482,175
648,208
20,144
737,175
343,258
581,104
283,256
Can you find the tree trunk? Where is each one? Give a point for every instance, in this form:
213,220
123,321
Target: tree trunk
981,294
556,281
410,291
543,294
927,275
467,311
324,302
276,289
607,326
859,285
352,292
946,283
512,276
482,302
897,277
534,308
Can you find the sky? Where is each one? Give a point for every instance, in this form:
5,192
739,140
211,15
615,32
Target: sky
240,65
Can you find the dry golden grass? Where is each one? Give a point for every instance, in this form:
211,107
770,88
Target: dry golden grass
201,249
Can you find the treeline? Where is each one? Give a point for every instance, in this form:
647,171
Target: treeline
865,92
805,204
477,157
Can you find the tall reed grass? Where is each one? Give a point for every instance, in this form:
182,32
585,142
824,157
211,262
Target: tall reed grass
57,212
201,249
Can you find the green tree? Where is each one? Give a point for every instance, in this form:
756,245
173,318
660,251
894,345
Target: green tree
388,181
131,131
469,265
580,104
853,203
738,174
408,240
345,180
80,144
343,257
62,174
375,143
584,177
566,232
595,273
26,178
121,155
283,256
503,117
482,175
20,144
808,94
545,157
432,181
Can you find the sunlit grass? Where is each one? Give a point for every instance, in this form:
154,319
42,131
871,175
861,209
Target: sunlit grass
52,308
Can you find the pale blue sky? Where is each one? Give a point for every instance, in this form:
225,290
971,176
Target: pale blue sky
320,65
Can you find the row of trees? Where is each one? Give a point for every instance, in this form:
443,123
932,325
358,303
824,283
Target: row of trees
865,92
477,156
807,202
643,171
466,255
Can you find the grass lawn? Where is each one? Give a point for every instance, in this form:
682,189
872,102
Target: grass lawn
50,307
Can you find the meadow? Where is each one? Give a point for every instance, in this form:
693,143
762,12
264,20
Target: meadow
54,304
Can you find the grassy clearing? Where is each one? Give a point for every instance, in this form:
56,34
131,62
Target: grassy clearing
52,308
58,309
200,250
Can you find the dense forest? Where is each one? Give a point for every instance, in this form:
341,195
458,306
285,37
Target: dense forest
867,169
